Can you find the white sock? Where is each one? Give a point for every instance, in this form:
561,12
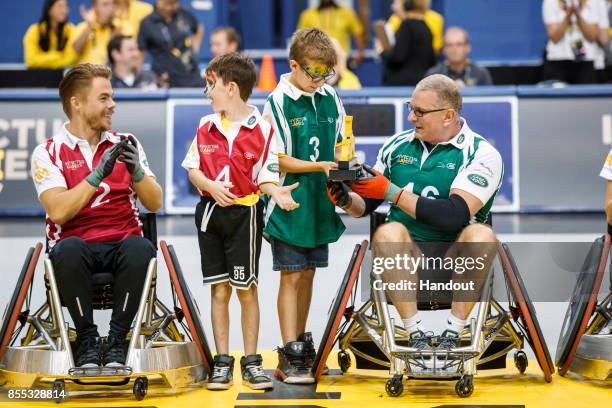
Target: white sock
413,324
455,324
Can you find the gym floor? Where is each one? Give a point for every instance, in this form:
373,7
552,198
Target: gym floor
504,387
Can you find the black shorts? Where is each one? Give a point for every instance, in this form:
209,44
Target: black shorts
230,242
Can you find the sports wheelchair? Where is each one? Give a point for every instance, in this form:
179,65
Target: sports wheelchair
165,344
371,335
585,342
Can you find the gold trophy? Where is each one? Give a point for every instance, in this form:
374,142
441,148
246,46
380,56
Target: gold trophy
348,168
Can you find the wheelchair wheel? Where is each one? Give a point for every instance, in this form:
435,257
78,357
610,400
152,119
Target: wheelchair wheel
582,303
523,312
188,305
338,309
465,386
344,361
141,386
520,361
395,386
13,310
59,390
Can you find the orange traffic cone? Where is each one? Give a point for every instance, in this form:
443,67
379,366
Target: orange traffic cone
267,75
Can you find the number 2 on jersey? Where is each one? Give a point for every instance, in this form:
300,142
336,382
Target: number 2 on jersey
98,201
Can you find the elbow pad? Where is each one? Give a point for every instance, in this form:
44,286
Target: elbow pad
448,215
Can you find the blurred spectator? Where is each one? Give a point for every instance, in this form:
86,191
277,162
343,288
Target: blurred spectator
344,78
338,22
48,43
608,47
129,14
412,55
224,40
603,40
125,61
457,65
434,21
94,33
173,37
571,25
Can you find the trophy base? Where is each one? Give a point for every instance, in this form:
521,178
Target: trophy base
344,175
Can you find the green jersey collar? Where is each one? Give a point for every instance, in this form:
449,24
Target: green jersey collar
292,91
460,140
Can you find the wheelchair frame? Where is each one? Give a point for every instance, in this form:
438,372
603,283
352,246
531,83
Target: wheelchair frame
372,322
161,346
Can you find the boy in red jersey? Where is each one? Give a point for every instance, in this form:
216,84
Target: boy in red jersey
232,160
87,179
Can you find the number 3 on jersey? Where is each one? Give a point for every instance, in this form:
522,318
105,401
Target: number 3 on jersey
315,142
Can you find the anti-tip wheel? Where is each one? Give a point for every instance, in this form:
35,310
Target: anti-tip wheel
140,388
344,361
465,386
394,386
520,361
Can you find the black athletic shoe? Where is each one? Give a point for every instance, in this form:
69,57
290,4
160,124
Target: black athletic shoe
114,355
88,353
311,352
292,367
223,373
253,374
448,340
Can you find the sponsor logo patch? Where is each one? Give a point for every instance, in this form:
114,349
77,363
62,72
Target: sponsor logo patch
297,122
449,166
478,180
74,164
251,120
249,155
40,173
207,149
273,167
405,159
461,138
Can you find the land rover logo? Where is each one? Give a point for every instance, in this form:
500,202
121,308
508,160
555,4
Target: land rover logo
251,120
273,167
478,180
461,138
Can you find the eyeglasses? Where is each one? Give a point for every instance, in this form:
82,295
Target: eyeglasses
317,78
419,113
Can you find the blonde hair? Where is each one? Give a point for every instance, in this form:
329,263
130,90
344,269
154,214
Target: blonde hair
312,44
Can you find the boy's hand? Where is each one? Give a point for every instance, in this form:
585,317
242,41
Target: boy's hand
282,197
326,166
219,190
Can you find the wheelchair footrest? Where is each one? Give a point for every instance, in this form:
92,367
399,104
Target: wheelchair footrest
119,371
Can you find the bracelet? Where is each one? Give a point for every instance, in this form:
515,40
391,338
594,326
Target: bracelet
392,192
398,196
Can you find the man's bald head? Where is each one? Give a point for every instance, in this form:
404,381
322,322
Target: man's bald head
446,90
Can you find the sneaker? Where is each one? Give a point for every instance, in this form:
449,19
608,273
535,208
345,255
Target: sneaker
88,354
114,355
253,374
420,340
448,340
292,367
311,352
223,373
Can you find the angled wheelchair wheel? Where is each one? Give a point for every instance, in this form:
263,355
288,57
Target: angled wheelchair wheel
582,303
338,309
524,313
14,307
188,305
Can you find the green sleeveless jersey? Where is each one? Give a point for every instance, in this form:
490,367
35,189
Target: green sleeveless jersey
466,162
307,127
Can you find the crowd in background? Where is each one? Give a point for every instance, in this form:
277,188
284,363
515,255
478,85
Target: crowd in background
411,44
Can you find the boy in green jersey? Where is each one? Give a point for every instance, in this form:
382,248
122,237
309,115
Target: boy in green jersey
441,179
308,119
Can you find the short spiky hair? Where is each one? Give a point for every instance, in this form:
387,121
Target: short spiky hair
235,67
312,44
447,91
78,80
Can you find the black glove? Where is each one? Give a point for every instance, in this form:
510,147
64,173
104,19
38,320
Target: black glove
338,194
131,158
105,165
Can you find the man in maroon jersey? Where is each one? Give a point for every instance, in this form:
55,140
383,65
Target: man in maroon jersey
87,179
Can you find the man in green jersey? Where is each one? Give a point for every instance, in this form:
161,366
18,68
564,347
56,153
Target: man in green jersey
308,119
441,179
